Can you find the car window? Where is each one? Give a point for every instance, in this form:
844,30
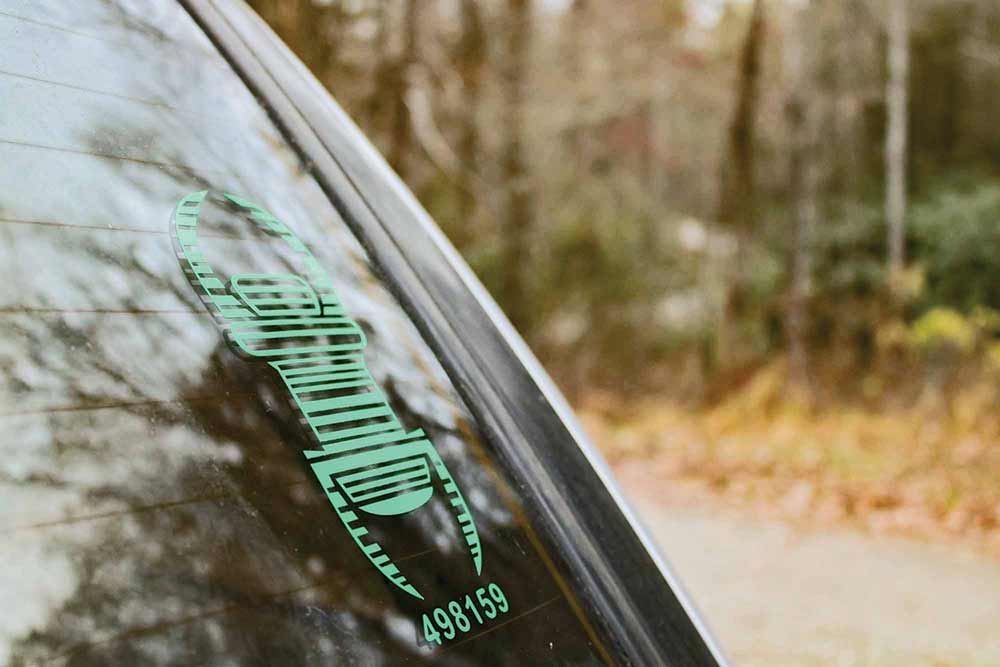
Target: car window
224,441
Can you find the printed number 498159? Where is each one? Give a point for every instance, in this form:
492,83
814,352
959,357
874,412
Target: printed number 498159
451,619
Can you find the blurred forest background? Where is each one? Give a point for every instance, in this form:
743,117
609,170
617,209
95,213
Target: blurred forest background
756,242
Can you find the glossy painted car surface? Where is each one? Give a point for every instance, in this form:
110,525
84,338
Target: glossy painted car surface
155,503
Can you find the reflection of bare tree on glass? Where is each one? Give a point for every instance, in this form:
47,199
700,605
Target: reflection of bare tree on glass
157,508
221,521
235,564
215,522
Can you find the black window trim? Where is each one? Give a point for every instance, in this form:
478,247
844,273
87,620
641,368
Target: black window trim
525,418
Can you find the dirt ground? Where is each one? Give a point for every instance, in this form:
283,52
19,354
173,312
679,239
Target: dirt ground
777,594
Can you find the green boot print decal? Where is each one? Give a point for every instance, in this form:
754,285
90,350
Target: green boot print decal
362,456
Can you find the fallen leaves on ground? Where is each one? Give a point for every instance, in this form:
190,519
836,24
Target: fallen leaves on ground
931,471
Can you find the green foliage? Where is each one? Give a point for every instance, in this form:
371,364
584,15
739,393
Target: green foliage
850,260
957,240
941,328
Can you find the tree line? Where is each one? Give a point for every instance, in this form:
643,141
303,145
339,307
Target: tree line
674,194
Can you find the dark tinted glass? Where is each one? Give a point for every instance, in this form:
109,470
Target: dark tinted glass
156,506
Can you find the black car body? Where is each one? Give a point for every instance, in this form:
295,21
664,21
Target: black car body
155,503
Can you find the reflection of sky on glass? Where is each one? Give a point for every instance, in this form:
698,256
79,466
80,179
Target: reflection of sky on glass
154,508
33,579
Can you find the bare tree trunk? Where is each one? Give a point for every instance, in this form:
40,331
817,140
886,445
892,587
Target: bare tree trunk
801,116
573,44
896,129
382,68
738,182
849,154
401,145
308,27
737,196
520,204
471,60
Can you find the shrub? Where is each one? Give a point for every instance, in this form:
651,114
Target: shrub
957,240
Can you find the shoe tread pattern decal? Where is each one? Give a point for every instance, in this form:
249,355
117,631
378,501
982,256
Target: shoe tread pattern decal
365,460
